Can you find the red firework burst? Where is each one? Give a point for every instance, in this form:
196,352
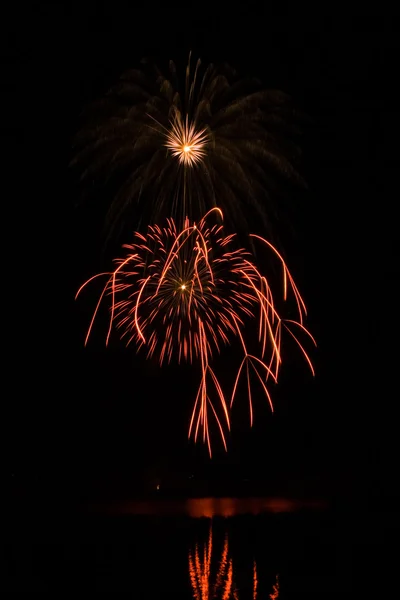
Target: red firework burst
186,293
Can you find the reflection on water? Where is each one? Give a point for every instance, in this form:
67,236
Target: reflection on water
212,573
230,507
275,590
158,546
214,507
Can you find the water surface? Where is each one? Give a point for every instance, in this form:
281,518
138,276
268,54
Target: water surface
203,549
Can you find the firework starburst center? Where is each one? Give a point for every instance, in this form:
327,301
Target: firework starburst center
186,141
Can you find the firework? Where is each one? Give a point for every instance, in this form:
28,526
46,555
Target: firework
185,293
172,149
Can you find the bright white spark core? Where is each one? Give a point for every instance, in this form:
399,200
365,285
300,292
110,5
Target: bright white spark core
185,142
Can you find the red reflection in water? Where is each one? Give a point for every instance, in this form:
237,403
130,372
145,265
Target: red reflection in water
255,581
218,583
275,593
212,507
229,507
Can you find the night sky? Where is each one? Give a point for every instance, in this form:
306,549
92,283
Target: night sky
88,420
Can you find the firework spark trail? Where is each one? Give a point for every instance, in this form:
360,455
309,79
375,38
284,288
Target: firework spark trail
184,294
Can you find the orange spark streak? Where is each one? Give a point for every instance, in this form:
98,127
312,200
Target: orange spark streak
303,351
137,308
97,305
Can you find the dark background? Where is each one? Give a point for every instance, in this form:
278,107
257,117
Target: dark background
84,423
